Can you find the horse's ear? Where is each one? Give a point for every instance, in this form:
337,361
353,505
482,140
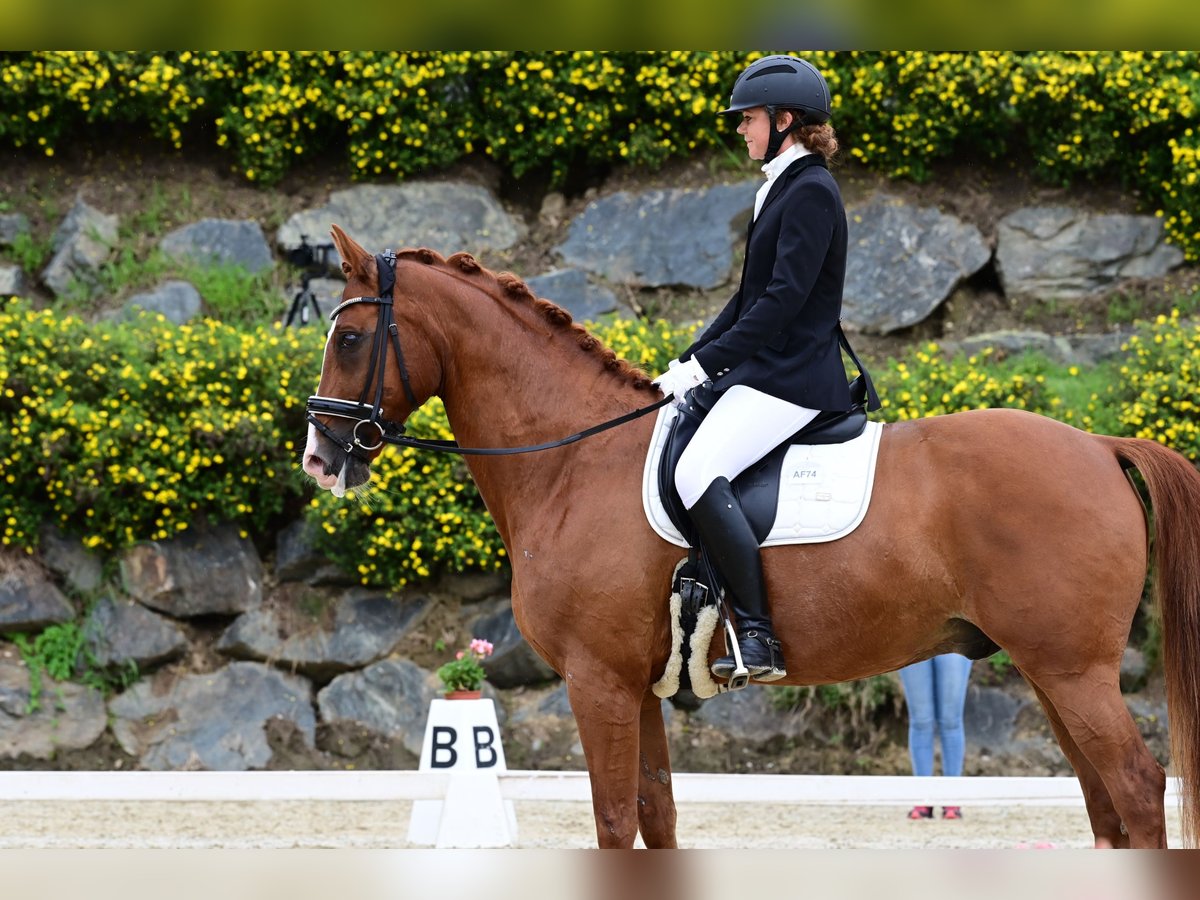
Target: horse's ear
354,258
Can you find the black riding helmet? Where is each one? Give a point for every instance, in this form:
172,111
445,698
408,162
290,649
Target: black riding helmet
782,82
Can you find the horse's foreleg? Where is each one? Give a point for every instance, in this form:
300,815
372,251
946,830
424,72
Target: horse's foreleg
656,799
608,715
1106,821
1092,710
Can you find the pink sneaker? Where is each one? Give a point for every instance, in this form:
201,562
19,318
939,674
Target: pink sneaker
952,812
920,812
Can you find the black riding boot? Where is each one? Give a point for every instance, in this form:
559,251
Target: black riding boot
730,544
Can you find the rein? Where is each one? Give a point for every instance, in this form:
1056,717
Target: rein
364,413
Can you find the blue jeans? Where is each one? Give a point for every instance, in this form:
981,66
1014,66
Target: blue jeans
936,690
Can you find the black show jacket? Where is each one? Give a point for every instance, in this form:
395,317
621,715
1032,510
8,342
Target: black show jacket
779,332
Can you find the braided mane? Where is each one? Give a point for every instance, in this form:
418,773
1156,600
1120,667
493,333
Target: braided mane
508,286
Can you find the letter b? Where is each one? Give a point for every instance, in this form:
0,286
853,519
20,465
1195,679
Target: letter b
443,739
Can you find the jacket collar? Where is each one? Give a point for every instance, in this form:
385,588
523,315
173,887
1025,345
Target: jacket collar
804,162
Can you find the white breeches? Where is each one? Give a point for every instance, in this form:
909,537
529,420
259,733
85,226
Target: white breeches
743,427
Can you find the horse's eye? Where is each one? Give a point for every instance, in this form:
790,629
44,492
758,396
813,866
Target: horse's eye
348,340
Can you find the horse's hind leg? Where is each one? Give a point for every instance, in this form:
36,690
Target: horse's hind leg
656,799
1091,709
1106,821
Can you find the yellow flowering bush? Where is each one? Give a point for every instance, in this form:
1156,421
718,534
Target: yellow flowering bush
1161,381
927,383
1129,116
126,432
119,433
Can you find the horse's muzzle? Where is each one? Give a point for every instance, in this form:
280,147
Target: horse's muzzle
331,467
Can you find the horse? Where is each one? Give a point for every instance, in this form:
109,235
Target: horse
987,529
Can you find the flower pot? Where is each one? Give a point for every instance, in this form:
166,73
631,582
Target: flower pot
463,695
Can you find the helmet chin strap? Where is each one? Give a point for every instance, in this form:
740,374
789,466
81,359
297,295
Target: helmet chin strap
776,139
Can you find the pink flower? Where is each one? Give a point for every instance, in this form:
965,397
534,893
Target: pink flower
482,647
458,655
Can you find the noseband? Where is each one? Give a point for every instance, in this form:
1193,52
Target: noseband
371,414
362,412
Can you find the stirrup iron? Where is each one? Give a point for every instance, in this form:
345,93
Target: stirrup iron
741,675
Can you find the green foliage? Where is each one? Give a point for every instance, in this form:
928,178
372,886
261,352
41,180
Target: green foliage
136,431
465,672
29,252
126,432
925,382
1126,116
1001,663
61,652
1157,399
235,296
854,705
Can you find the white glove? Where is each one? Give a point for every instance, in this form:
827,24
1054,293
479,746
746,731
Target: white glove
680,379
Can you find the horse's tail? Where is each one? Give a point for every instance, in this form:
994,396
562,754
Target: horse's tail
1174,486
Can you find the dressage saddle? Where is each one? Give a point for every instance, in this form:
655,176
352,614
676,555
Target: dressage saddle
757,488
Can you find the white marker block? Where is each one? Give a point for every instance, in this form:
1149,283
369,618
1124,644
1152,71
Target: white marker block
462,738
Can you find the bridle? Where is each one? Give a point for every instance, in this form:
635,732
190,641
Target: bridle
371,414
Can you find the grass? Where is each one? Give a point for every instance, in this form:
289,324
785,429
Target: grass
231,293
29,252
160,211
61,652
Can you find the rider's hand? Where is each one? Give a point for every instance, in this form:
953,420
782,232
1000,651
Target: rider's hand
680,379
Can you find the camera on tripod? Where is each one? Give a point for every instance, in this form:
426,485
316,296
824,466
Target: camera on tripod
313,260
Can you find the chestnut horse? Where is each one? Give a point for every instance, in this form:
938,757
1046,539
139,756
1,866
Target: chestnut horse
986,528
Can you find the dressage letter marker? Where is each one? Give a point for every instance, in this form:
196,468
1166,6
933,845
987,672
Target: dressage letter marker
462,738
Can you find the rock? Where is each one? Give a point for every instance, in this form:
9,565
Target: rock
749,712
82,244
364,628
1134,670
446,216
12,282
296,557
68,716
1094,348
68,558
215,720
571,290
29,601
1057,251
390,698
513,662
1013,343
1070,349
177,301
554,205
989,715
474,586
229,242
12,225
199,573
1007,727
904,261
636,238
120,632
548,732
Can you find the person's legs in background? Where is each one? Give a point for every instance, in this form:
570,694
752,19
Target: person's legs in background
951,671
922,717
950,674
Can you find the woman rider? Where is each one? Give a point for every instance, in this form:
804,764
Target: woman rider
773,353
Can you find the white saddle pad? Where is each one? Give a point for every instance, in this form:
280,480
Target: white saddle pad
823,493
